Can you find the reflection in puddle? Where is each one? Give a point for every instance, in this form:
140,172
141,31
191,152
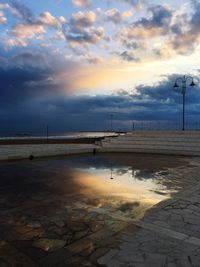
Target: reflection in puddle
119,190
80,203
123,184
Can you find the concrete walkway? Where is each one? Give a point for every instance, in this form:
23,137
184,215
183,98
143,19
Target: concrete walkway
168,235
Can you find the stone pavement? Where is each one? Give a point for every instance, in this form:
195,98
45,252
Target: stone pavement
46,221
168,235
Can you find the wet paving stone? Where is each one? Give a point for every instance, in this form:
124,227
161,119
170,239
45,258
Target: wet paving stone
49,244
53,217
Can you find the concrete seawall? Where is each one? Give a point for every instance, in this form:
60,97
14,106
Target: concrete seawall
160,142
157,142
11,152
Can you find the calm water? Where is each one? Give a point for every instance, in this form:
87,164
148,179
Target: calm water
122,184
69,135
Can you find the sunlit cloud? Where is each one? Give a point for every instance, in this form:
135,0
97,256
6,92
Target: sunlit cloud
81,20
25,31
47,19
4,6
156,25
81,3
3,19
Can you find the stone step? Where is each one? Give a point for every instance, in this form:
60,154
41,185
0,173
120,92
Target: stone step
164,142
153,142
155,147
151,151
162,135
175,138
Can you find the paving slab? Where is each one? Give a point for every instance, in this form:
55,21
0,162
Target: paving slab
46,220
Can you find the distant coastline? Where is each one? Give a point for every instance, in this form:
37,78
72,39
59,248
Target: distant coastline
66,138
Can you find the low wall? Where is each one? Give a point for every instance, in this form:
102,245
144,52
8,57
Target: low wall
170,143
159,142
11,152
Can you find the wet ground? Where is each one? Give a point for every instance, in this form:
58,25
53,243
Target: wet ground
72,211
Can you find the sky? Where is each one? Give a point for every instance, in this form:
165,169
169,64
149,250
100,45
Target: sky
72,63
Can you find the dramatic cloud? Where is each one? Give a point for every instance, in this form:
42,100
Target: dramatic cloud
29,75
32,95
50,53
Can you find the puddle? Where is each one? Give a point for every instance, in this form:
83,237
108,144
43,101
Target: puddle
124,184
81,203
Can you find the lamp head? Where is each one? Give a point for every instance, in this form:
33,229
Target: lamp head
175,85
192,84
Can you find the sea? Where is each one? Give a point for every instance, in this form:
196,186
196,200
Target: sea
68,135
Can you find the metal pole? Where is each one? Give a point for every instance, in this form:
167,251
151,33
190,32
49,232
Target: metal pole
111,122
47,133
183,92
183,112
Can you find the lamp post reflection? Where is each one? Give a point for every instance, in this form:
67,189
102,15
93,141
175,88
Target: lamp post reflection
111,173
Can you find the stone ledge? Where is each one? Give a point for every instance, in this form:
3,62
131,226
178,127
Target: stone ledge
13,152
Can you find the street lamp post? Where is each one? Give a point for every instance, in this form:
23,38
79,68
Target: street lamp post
183,80
111,122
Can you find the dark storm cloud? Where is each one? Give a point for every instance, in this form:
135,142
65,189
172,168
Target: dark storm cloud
29,76
19,84
31,97
31,59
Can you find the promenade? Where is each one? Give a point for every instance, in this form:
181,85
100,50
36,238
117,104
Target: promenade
48,219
